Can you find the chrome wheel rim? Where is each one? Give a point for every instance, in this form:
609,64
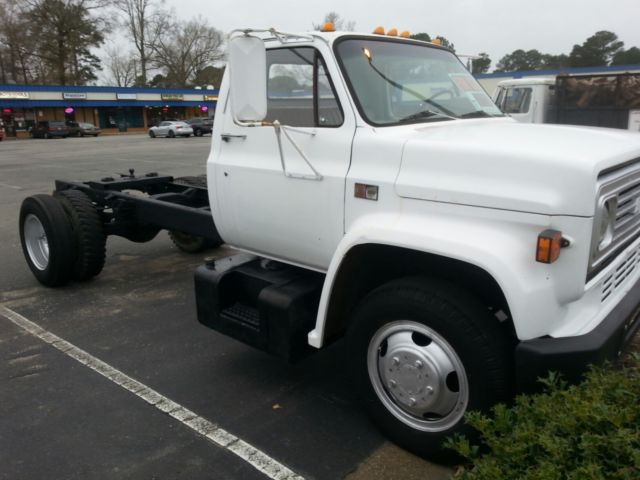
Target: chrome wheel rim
36,241
418,376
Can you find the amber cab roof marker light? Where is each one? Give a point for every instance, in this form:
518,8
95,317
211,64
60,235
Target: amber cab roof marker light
328,27
379,30
405,34
393,32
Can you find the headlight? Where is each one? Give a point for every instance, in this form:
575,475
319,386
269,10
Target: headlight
607,221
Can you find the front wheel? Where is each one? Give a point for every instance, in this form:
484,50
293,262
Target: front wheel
171,134
152,134
424,352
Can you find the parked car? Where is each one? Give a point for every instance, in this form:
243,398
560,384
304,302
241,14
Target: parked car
171,129
1,131
74,129
50,129
201,125
89,129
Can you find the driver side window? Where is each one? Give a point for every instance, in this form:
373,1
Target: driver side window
299,90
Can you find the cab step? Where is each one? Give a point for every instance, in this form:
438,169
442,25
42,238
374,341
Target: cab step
266,304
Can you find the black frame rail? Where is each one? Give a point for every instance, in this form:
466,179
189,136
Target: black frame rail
150,201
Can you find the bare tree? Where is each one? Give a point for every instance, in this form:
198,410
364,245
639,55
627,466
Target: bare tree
138,18
123,69
15,44
339,23
182,49
63,32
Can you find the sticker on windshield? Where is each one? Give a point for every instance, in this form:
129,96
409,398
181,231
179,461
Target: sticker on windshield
474,93
463,82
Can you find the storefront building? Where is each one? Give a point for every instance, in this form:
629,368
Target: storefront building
113,109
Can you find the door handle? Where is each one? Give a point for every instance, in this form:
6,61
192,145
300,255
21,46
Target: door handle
228,136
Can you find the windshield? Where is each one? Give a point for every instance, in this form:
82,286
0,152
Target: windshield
397,82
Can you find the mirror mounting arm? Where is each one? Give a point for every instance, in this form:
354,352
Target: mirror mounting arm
281,129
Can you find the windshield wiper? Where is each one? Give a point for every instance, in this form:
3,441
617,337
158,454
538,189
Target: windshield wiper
426,114
478,114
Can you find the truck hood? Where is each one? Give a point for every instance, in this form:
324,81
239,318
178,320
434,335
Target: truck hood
503,164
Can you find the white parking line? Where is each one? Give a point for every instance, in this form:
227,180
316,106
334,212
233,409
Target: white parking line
256,458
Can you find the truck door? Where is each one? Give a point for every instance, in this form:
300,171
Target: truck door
516,102
283,196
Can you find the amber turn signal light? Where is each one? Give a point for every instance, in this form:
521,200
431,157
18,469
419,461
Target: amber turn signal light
549,245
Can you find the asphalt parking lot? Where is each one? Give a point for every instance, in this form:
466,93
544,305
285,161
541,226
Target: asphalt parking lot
60,418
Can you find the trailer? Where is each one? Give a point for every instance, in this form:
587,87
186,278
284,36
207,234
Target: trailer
64,235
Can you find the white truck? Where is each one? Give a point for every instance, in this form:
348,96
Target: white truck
376,192
599,100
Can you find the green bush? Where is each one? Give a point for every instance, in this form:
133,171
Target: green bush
582,432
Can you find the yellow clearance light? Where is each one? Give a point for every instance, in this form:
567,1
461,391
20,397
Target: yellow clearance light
328,27
437,41
405,34
549,245
379,30
393,32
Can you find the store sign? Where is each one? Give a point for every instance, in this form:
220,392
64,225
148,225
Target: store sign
14,95
211,98
172,96
74,96
126,96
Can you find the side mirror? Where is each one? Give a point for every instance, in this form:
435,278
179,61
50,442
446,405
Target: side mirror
248,69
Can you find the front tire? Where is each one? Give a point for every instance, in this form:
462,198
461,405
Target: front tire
152,134
197,133
47,240
423,352
171,134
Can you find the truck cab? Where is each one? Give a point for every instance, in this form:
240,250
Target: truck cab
379,194
526,100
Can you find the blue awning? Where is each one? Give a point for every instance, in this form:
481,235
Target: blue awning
100,103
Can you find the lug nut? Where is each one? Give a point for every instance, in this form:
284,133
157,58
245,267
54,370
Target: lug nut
395,361
430,390
412,402
419,364
393,383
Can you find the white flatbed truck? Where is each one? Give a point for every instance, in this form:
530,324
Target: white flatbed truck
376,192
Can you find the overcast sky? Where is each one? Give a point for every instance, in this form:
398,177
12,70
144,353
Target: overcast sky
494,26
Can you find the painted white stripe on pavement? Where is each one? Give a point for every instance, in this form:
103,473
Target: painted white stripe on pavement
250,454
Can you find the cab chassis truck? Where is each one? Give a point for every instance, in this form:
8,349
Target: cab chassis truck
375,192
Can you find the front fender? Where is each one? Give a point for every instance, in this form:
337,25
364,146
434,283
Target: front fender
502,243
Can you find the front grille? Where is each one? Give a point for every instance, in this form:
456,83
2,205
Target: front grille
623,271
628,212
619,189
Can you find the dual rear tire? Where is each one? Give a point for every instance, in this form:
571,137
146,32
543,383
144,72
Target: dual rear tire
62,237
